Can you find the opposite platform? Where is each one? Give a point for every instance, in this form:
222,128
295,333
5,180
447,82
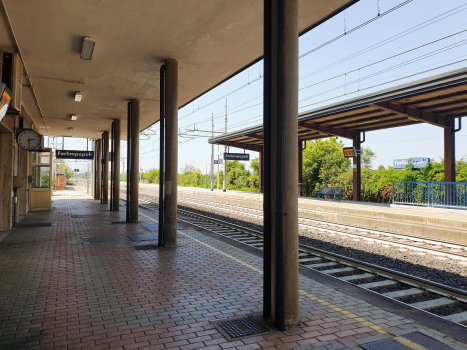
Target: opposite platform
433,223
59,291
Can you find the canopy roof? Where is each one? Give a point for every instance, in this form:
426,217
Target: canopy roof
211,39
432,100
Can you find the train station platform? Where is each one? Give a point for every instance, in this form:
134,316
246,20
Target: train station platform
448,225
77,277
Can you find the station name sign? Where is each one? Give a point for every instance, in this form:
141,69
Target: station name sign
237,156
62,154
417,163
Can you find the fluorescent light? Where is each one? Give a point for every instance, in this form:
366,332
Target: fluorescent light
87,48
78,96
73,117
71,129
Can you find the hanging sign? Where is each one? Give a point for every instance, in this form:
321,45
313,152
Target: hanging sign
237,156
62,154
349,152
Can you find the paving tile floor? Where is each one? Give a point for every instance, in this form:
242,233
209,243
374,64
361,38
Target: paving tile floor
58,292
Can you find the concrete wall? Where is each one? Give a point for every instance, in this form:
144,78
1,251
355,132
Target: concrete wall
6,177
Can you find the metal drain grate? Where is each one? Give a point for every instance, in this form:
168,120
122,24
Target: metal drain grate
239,328
146,247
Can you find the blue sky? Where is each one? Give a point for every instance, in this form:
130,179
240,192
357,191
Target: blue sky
340,71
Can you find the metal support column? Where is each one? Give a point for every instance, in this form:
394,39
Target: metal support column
171,152
357,170
112,164
105,168
98,169
260,175
116,165
450,153
300,161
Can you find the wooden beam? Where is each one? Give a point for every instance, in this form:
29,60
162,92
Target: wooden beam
414,114
255,148
328,130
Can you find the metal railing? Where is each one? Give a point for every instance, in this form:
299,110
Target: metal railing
430,194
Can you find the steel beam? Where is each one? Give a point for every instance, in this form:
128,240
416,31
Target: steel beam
413,114
328,130
255,148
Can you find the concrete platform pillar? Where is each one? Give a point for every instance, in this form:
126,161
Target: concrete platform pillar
6,179
116,166
105,168
134,161
171,152
280,151
97,193
450,153
357,170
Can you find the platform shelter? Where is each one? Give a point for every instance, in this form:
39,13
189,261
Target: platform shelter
438,100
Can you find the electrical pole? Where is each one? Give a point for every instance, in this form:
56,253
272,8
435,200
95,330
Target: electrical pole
224,162
87,178
218,174
212,156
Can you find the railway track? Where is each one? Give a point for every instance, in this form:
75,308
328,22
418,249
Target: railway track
435,247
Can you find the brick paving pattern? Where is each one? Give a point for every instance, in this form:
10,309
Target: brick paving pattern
58,292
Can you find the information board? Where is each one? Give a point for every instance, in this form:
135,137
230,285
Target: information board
349,152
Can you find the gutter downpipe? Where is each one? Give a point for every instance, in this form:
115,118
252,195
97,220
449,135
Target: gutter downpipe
161,156
460,125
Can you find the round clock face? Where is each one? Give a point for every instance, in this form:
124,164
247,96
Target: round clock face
29,140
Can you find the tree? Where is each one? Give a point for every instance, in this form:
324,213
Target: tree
323,163
367,157
152,176
237,175
190,176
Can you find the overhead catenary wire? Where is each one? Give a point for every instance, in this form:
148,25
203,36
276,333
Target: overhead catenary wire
391,39
355,28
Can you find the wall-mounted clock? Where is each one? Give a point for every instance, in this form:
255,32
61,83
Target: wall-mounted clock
29,140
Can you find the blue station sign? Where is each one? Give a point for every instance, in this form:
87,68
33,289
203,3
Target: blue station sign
237,156
62,154
417,163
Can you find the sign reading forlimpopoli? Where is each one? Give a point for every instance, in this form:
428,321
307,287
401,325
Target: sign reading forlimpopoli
63,154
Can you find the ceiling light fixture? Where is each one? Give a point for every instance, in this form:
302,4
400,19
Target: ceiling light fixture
71,129
78,96
87,48
74,117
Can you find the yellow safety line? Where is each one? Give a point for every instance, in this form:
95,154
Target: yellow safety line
323,302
